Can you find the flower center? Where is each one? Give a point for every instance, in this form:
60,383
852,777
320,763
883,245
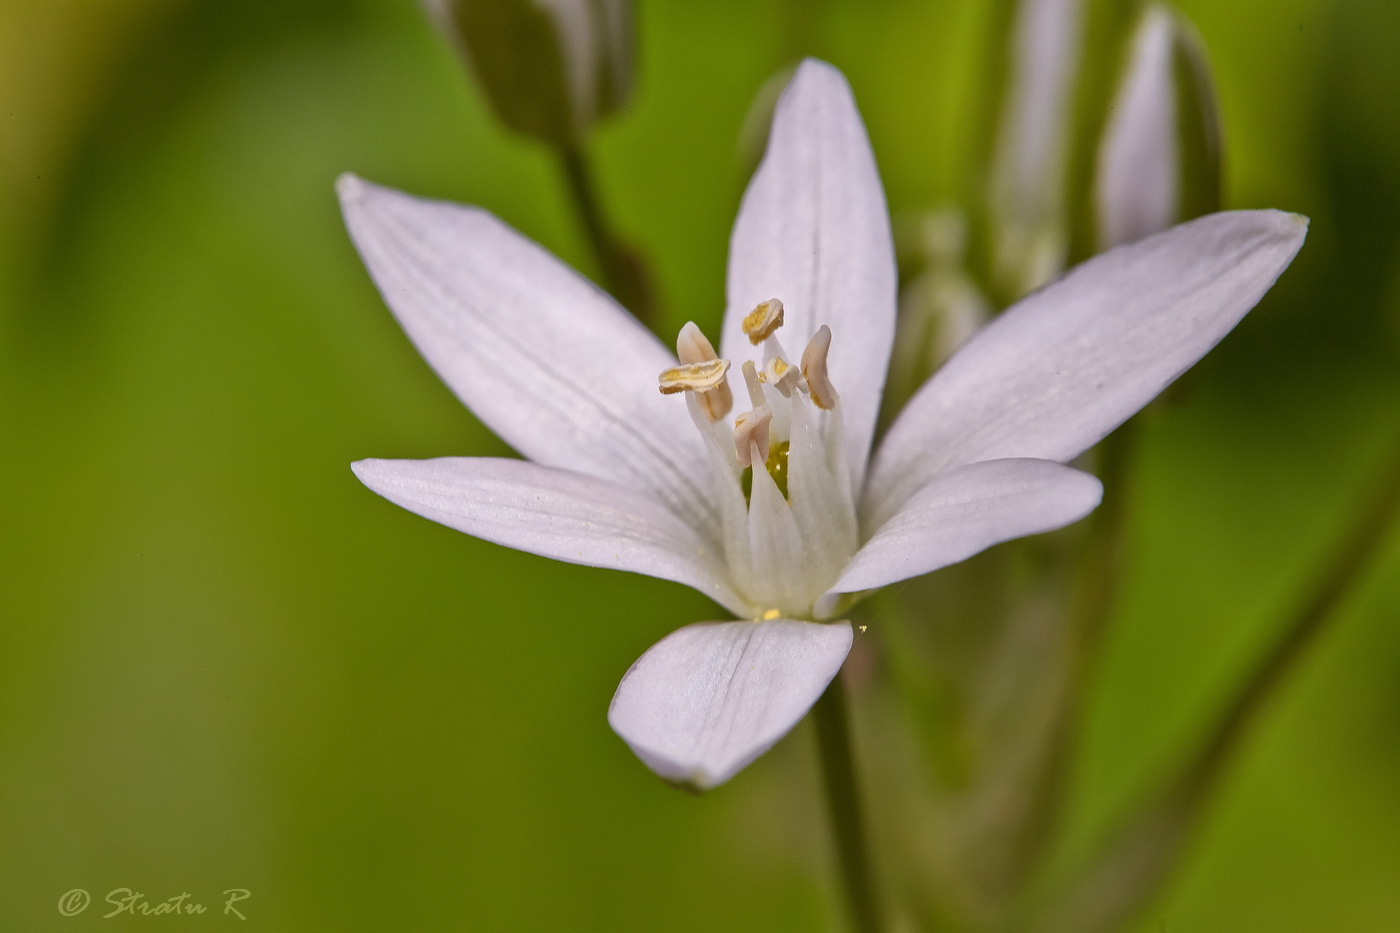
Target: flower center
781,478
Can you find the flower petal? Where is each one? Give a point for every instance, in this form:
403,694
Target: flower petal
544,358
967,510
708,699
775,548
813,231
554,513
1064,366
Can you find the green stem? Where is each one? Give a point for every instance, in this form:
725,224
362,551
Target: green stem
1092,605
619,276
1107,534
843,802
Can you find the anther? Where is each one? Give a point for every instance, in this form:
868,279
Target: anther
780,374
750,430
693,347
760,323
814,369
694,377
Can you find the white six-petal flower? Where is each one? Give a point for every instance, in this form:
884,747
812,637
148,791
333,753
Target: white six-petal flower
778,512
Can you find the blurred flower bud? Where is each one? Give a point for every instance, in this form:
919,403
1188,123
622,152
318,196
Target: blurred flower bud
938,311
1028,165
1159,158
550,69
940,306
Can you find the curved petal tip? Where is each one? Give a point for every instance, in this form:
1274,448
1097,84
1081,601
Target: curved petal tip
350,188
708,699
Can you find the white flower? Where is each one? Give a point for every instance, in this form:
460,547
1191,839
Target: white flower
621,475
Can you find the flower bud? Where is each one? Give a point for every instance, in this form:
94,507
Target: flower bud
550,69
1027,196
940,306
1159,158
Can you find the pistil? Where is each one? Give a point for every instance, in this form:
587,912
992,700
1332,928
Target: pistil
783,487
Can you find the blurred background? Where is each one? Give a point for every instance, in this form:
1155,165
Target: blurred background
225,664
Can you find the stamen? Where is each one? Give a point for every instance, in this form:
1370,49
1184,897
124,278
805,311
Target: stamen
750,431
692,346
763,320
695,377
779,374
814,369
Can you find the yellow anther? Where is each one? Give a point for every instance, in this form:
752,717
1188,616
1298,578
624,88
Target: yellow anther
692,346
695,377
760,323
772,614
814,369
780,374
750,431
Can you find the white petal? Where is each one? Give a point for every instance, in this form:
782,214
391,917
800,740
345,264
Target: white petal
555,513
728,499
967,510
709,698
1136,182
821,504
543,357
813,231
775,547
1066,365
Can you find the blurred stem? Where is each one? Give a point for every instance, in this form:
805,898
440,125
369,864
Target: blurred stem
1103,569
1132,868
622,275
1105,565
1094,594
843,804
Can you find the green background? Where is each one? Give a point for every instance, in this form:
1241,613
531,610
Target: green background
223,663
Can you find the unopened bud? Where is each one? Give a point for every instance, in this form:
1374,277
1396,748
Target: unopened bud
1027,196
1159,158
550,69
